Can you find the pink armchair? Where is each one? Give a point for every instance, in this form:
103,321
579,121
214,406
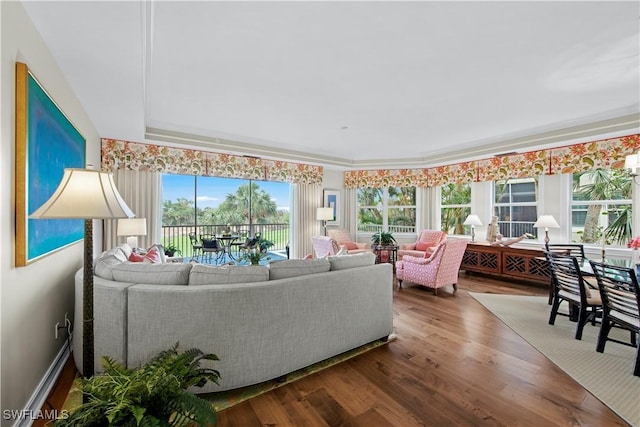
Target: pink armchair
343,238
324,245
426,243
438,270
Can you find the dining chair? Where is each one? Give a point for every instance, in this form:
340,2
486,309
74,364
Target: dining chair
620,305
210,246
570,286
240,241
573,249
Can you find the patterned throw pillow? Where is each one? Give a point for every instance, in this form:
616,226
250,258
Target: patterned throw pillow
152,256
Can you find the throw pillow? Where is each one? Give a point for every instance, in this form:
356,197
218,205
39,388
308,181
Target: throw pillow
134,257
152,256
350,245
424,246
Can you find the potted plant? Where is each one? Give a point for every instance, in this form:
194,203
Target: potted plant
152,395
170,249
254,256
383,238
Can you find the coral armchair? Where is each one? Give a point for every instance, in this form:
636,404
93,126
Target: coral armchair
435,271
343,238
427,241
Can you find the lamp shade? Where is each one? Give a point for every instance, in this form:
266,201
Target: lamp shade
546,221
324,214
132,227
472,220
86,194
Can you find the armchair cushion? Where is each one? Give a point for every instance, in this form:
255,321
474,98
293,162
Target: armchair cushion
350,245
424,246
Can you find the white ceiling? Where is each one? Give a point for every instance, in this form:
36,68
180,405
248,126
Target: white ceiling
351,84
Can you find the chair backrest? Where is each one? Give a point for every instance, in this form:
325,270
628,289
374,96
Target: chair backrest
340,235
432,236
576,250
210,242
324,245
618,290
193,238
566,275
449,266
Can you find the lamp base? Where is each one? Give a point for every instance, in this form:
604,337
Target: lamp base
132,241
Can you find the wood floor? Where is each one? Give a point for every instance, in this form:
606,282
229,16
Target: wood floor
453,364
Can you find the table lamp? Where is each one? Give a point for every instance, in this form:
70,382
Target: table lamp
324,215
86,194
546,221
132,228
472,220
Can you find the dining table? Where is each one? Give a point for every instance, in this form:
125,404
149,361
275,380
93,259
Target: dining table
227,240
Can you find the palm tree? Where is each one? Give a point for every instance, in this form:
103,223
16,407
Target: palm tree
452,218
604,184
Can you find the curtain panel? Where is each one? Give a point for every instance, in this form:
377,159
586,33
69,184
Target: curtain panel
606,153
118,154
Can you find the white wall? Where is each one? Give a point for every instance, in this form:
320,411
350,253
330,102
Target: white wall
35,297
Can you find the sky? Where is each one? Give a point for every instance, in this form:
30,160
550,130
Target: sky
212,191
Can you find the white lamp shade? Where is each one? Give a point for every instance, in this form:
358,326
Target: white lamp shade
546,221
324,214
85,194
132,227
472,220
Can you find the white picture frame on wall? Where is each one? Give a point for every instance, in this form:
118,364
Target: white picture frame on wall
332,200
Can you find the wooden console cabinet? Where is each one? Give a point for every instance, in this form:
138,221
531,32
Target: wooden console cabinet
505,261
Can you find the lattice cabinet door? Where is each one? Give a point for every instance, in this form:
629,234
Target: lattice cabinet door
525,263
482,258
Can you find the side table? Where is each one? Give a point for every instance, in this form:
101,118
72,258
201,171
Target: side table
391,252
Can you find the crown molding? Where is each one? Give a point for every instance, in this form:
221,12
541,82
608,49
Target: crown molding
601,129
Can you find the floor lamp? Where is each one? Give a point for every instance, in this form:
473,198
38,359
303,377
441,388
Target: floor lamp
85,194
324,215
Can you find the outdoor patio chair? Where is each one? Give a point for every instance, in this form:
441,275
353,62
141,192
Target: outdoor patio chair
212,246
197,247
620,305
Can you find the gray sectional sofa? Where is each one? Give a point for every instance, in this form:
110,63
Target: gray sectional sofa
262,322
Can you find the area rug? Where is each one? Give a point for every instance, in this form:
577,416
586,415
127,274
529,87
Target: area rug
226,399
608,376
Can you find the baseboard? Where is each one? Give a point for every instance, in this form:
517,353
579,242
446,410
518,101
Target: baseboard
33,410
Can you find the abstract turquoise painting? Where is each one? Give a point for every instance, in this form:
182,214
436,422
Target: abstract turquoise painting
52,144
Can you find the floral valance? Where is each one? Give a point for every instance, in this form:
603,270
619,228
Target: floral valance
606,153
117,154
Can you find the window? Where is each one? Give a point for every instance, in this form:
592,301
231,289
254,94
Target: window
601,205
515,206
390,209
212,205
455,202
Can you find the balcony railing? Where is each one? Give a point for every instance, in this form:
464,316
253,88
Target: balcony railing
375,228
178,235
516,228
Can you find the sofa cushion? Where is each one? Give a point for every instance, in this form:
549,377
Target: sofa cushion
153,274
229,274
297,267
351,261
102,267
